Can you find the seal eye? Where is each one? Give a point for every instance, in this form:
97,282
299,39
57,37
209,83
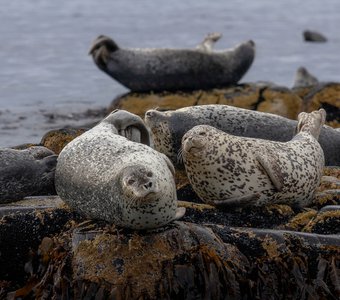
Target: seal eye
131,181
202,133
149,174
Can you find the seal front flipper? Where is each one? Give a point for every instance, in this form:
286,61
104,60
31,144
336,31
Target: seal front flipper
268,162
238,201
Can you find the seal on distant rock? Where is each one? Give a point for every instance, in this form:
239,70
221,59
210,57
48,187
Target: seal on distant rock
172,69
303,78
106,176
26,172
229,170
168,127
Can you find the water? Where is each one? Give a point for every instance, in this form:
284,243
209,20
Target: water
45,67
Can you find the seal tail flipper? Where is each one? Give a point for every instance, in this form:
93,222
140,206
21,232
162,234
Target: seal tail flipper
124,121
238,201
268,162
311,122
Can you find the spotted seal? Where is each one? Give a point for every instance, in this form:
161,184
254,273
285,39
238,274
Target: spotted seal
209,41
104,175
172,69
168,127
303,78
229,170
26,172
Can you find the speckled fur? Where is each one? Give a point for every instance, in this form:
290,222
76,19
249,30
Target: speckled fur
89,178
168,127
222,166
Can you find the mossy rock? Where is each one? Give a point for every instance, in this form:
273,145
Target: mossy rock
266,98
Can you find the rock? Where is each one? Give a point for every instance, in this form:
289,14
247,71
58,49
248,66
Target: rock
184,261
263,97
314,36
326,96
56,140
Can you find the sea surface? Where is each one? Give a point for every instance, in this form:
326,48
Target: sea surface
46,71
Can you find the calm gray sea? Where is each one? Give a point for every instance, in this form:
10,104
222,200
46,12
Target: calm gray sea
45,67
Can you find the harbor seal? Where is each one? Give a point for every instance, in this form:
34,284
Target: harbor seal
168,127
106,176
229,170
304,79
26,172
143,70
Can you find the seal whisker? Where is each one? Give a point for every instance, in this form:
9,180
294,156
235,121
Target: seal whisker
180,156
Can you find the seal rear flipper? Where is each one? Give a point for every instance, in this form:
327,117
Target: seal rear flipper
268,161
125,122
238,201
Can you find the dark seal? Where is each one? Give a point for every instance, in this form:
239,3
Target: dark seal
26,172
173,69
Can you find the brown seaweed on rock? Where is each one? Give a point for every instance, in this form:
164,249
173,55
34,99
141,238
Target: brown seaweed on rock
187,261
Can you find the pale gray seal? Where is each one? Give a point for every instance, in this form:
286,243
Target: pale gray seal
224,169
172,69
26,172
168,128
303,78
106,176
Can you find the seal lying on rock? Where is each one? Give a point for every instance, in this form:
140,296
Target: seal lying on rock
26,172
172,69
168,128
303,78
103,175
230,170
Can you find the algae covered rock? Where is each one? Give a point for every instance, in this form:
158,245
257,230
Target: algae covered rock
262,97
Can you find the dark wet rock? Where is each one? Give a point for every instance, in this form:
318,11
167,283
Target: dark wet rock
184,261
314,36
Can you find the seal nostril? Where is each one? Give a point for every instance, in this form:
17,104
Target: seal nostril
148,185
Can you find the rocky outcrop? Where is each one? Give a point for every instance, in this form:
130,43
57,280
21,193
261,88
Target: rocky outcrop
261,97
314,36
209,254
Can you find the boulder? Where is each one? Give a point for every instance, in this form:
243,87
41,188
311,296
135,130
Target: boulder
314,36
